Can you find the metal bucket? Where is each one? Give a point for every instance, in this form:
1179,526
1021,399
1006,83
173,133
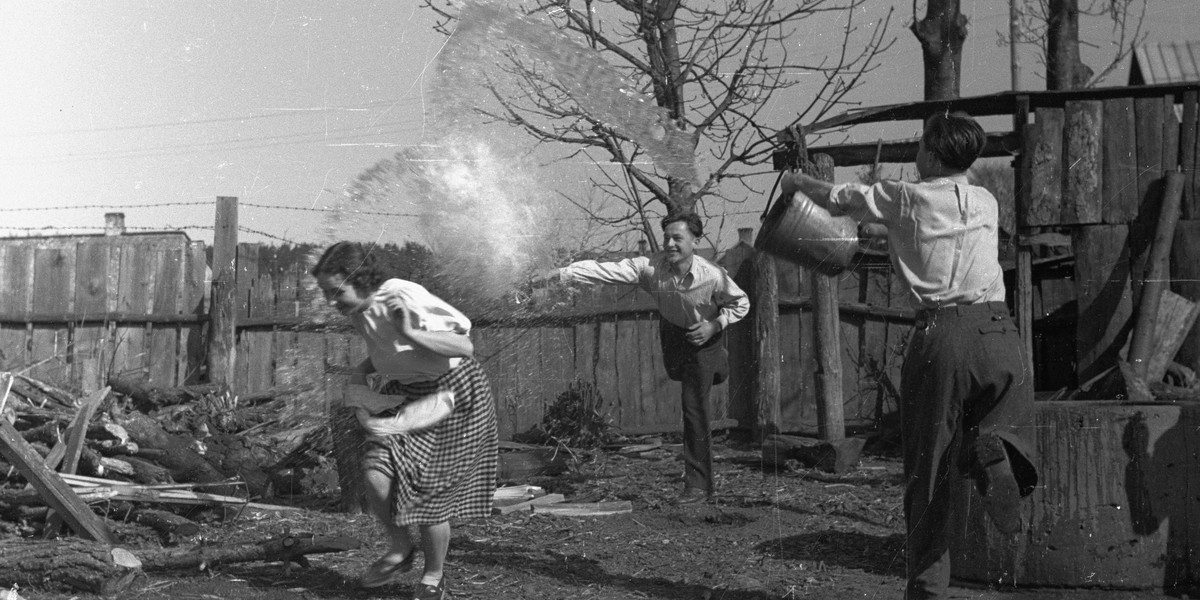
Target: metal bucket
804,233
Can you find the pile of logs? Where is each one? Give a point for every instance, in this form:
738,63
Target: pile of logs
129,453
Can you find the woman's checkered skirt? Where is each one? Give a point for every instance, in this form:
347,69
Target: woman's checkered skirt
449,470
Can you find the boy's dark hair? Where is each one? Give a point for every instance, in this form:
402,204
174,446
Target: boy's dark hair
358,265
691,219
954,138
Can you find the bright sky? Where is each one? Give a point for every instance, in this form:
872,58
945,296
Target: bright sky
110,106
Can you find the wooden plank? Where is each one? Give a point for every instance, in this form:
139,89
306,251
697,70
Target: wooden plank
1149,121
1170,135
168,280
48,353
650,372
629,378
77,430
91,277
163,345
606,370
88,347
1185,281
53,281
1045,166
53,490
247,272
1120,184
585,509
1084,156
584,340
528,505
17,289
135,290
1104,299
525,355
1188,139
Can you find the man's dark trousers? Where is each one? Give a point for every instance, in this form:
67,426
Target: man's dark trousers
964,376
696,368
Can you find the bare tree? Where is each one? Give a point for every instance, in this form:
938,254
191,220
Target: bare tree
1052,26
941,33
710,67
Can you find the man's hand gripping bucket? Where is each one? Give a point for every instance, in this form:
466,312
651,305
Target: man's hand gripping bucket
798,230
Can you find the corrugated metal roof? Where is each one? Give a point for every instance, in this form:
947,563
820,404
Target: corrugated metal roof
1173,62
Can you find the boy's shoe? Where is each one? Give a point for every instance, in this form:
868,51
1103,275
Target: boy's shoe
994,478
382,571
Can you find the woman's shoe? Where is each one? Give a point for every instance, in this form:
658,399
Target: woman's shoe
381,571
425,591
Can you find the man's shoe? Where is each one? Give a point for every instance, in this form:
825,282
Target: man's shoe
692,496
994,478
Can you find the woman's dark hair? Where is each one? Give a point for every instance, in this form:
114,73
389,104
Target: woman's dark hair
691,219
359,266
954,138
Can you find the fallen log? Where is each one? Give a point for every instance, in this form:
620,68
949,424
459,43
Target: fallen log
288,549
74,563
147,399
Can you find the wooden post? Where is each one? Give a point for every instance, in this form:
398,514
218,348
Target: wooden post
831,424
222,348
1157,274
765,384
1185,252
1022,171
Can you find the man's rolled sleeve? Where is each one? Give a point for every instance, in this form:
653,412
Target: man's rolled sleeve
734,302
865,204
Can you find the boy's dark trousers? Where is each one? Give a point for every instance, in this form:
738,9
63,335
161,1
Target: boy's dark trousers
964,376
697,369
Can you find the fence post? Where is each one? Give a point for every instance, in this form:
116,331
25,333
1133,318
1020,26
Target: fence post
831,422
765,310
222,316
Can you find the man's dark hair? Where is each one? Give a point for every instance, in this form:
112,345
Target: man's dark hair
954,138
356,264
691,219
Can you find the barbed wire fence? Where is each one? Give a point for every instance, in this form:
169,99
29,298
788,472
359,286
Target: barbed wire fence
51,230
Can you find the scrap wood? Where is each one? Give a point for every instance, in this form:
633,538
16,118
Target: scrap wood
530,504
67,451
57,494
517,493
585,509
169,494
291,548
6,381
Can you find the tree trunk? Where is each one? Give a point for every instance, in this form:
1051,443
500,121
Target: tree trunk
91,567
1064,69
941,34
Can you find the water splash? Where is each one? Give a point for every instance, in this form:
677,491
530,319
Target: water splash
489,29
482,212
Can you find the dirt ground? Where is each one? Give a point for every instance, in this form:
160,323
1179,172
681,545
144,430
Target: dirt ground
798,533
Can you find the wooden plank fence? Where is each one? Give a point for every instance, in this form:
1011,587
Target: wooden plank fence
77,309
